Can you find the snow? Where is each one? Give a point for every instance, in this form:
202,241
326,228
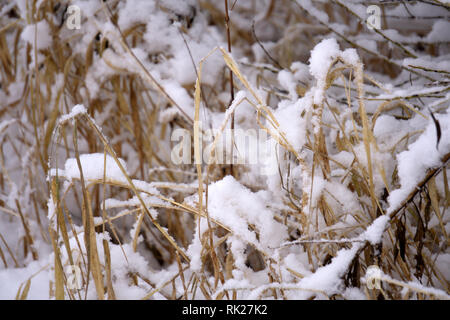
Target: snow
76,110
134,201
5,123
375,231
428,62
350,57
286,80
322,56
328,278
295,212
422,155
43,35
235,206
416,286
93,168
180,96
123,262
239,97
129,16
37,272
292,124
306,4
386,125
440,31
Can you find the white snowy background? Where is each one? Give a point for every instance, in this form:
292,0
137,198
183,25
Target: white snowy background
356,119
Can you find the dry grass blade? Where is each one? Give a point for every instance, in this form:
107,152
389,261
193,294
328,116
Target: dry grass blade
338,159
131,185
58,268
90,238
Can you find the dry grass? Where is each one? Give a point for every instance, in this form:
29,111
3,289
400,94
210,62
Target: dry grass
129,103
